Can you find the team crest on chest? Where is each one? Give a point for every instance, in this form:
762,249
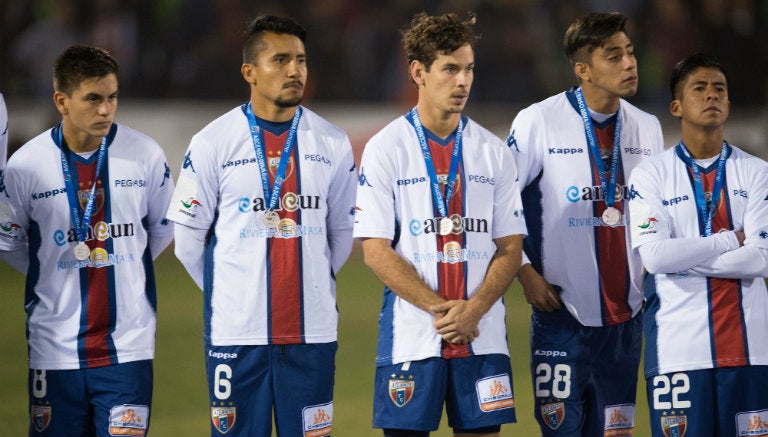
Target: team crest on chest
223,418
674,426
40,416
553,414
401,389
273,162
85,192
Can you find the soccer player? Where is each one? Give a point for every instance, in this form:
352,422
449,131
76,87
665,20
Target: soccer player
264,211
699,217
89,198
574,152
439,215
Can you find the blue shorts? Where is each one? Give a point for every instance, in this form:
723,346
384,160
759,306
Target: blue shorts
245,383
477,392
729,401
101,401
584,378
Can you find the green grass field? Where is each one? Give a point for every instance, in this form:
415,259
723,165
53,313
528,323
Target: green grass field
180,406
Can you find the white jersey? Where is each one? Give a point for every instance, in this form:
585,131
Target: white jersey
394,202
265,285
3,133
568,243
694,319
99,311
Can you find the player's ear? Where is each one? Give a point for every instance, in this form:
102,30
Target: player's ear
60,100
417,72
581,70
249,73
675,108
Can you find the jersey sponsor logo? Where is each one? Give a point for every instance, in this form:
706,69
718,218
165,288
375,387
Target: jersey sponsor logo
222,355
132,183
741,193
595,193
286,228
414,181
549,353
619,420
495,393
98,258
674,426
752,423
553,414
480,179
319,158
49,193
101,231
401,390
188,162
188,206
130,420
460,224
565,150
288,202
450,254
317,420
637,151
592,222
40,415
676,200
362,180
223,418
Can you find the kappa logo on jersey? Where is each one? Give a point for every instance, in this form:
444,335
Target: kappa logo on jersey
318,420
289,202
189,205
49,193
223,418
553,414
414,181
166,174
674,426
495,393
40,416
460,224
675,200
595,193
401,390
188,162
2,182
565,150
511,141
752,423
362,180
763,235
619,420
130,420
100,231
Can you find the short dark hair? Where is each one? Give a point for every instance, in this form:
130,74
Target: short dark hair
268,23
686,66
429,36
591,31
79,63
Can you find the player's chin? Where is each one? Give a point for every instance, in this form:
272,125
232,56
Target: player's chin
289,101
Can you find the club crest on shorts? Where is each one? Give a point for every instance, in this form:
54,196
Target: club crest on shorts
40,416
752,423
553,414
619,420
674,426
495,393
223,418
401,390
317,420
131,420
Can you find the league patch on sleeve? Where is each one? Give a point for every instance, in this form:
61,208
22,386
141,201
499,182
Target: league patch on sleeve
184,197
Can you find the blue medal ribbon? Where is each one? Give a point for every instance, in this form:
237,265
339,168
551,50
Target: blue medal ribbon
706,210
437,194
608,186
81,225
272,195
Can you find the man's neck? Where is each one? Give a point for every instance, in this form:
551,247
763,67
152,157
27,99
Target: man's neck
600,101
271,112
80,142
438,122
703,144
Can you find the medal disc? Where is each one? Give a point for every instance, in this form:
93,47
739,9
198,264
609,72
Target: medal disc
81,251
611,216
271,219
446,226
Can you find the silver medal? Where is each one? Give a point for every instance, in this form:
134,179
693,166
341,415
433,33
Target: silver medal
446,226
611,216
271,219
81,251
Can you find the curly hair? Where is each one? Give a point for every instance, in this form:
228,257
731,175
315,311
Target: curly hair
79,63
429,36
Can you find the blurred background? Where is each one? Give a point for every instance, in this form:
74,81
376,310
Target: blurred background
180,59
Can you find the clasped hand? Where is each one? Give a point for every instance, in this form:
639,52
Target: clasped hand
456,321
